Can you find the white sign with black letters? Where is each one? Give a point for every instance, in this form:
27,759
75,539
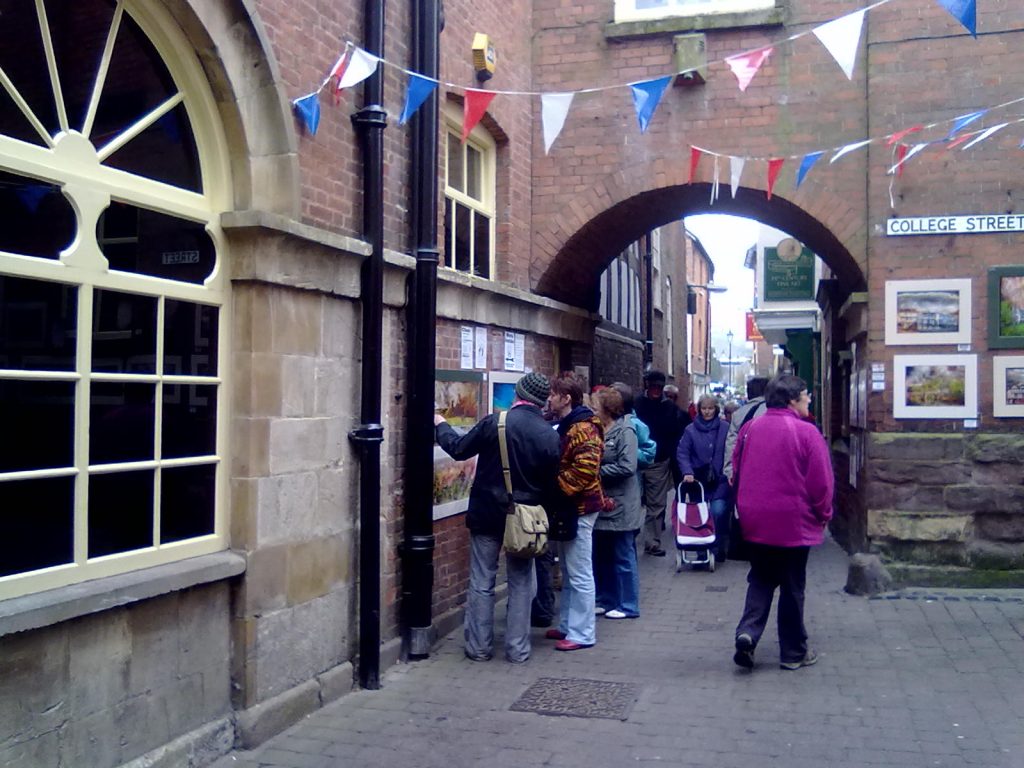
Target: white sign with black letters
978,224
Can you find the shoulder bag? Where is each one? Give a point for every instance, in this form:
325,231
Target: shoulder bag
526,525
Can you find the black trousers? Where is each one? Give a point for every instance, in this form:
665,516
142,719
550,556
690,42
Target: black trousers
785,569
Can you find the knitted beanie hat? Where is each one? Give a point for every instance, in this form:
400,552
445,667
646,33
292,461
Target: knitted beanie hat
533,388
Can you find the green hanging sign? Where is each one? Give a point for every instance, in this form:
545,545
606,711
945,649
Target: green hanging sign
788,272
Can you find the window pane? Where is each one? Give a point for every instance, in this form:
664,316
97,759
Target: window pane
124,332
165,151
36,524
455,169
449,233
474,172
190,338
35,218
37,324
481,245
149,243
120,512
186,502
121,422
30,410
462,249
24,61
190,421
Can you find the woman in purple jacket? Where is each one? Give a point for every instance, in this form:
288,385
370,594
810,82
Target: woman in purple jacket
784,483
701,455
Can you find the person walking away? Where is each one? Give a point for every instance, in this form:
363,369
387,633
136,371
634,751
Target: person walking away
533,449
783,475
753,408
616,575
667,423
701,455
582,445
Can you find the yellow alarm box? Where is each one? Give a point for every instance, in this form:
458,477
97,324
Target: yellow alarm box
484,58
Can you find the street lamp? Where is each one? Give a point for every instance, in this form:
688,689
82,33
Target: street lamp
729,337
710,287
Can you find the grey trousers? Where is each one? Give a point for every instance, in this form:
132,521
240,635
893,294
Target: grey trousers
478,627
657,482
785,569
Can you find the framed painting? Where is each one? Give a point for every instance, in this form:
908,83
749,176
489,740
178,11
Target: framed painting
1008,386
1006,307
458,396
501,389
928,312
935,386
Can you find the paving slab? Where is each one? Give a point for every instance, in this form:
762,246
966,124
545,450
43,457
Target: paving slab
921,678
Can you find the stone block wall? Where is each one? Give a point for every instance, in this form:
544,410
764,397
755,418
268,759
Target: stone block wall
948,500
618,357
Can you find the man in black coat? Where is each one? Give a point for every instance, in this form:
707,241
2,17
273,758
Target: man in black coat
533,454
667,423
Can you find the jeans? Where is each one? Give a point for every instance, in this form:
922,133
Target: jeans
542,611
784,568
720,513
577,620
478,627
615,571
656,483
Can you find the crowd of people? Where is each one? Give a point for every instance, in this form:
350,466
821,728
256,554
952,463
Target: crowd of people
604,465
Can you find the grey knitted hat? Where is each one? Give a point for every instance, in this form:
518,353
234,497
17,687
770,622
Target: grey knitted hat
533,388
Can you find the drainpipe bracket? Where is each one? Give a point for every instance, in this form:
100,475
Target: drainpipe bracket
428,256
367,433
371,116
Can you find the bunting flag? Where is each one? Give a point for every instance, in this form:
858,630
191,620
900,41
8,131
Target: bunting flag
554,107
904,155
985,134
337,71
964,11
308,109
957,141
745,65
849,148
964,120
714,183
806,164
355,67
695,154
646,96
841,38
473,109
774,166
735,171
900,135
417,91
901,155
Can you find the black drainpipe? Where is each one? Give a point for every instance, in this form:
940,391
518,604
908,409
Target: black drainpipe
417,549
648,259
370,122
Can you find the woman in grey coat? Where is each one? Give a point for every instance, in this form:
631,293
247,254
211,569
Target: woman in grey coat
616,573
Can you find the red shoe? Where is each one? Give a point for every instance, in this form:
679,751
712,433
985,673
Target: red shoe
554,634
569,645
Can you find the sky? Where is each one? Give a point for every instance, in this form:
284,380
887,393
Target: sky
727,239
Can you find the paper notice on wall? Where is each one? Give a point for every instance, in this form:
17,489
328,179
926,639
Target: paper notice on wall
480,348
515,351
878,377
466,347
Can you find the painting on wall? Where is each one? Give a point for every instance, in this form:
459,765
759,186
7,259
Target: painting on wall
1006,307
1008,386
501,388
928,312
457,397
935,386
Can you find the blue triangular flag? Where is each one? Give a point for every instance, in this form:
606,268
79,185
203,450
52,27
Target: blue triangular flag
308,110
31,195
646,96
805,165
416,93
965,11
964,120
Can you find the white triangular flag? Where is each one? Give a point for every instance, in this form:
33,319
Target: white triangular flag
361,65
714,184
910,153
841,37
984,135
849,148
735,171
553,109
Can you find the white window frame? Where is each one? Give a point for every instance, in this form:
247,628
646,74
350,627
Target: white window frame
481,140
69,160
626,10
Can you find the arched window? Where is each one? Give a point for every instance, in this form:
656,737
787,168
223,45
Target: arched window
112,333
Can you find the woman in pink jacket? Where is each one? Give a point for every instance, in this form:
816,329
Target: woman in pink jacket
784,483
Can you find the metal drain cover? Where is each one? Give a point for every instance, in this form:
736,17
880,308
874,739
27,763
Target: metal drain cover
575,697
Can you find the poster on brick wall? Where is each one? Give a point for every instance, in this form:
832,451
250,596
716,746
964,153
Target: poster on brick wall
458,396
480,348
466,347
515,351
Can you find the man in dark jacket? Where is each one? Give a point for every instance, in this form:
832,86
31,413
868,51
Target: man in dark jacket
667,423
533,454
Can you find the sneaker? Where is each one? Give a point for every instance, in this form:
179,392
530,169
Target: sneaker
540,623
554,634
569,645
809,658
617,614
599,611
655,551
478,656
744,656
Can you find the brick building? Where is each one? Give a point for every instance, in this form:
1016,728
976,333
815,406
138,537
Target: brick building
183,279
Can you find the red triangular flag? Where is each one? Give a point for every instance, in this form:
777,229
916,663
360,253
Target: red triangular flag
901,155
774,166
902,134
694,160
473,109
958,141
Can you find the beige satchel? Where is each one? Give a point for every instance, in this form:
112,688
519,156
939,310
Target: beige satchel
526,525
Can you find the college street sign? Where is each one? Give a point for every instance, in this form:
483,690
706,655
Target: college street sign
978,224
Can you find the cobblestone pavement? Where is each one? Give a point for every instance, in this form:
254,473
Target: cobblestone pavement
915,678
